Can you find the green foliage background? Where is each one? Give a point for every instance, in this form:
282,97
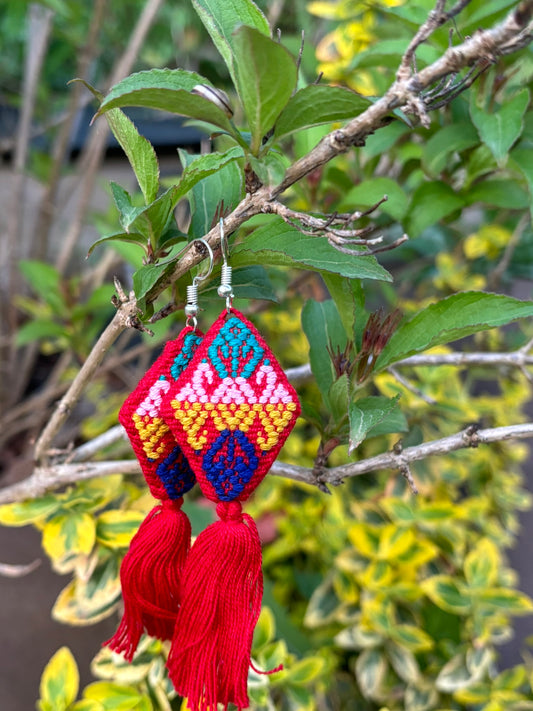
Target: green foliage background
375,599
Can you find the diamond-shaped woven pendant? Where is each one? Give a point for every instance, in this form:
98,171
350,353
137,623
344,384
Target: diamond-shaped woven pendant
232,409
164,467
151,571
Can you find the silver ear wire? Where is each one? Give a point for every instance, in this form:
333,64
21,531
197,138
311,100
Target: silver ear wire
225,290
192,308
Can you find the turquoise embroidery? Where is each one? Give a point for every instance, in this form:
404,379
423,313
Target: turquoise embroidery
235,351
190,344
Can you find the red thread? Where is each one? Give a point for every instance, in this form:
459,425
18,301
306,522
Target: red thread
221,601
150,577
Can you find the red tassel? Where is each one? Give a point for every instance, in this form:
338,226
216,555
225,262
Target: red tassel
221,602
151,575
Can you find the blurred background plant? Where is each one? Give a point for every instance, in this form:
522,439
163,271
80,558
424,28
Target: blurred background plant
375,598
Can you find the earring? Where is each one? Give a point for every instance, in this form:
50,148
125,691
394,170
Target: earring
231,410
151,571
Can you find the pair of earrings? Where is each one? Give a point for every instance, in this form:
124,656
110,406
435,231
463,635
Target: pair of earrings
213,409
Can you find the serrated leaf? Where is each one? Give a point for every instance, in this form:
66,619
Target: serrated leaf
370,671
370,191
317,104
116,528
445,593
481,564
221,19
198,168
323,328
25,512
60,680
499,130
450,139
263,93
349,298
280,244
365,413
131,237
430,203
67,534
147,276
127,211
221,187
166,90
456,316
139,152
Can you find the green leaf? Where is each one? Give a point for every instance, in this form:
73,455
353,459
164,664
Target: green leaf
370,671
455,317
250,283
404,663
421,697
139,151
263,92
349,297
523,157
279,244
370,191
511,602
265,629
37,329
450,139
322,326
60,680
67,534
83,603
221,19
411,637
323,605
482,564
146,278
317,104
25,512
45,281
131,237
197,168
430,203
365,414
338,398
499,130
270,168
127,211
454,675
444,591
358,637
305,671
223,186
116,528
166,90
508,194
116,697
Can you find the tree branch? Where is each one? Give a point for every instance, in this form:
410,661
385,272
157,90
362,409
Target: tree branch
47,478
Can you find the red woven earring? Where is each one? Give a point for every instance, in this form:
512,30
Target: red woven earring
231,410
151,571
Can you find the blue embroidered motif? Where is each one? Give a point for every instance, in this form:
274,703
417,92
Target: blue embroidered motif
229,464
176,474
182,360
235,350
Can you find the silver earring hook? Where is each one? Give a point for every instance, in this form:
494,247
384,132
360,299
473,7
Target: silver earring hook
225,290
192,308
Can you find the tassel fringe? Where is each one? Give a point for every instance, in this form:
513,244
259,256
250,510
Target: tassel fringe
221,602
